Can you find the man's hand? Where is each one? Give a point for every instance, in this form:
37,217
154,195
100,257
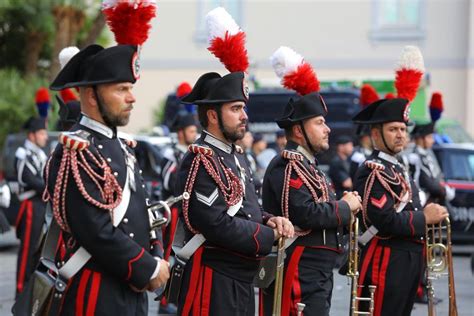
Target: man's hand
162,277
354,201
281,226
435,213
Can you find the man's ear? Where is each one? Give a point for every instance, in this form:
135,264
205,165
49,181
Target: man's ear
212,116
297,132
90,96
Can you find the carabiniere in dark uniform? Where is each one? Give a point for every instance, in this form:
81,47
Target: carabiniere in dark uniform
218,277
393,222
88,177
296,188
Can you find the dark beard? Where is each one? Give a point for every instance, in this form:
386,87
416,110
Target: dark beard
110,119
231,136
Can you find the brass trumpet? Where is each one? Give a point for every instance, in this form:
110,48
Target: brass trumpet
156,219
277,296
353,272
439,258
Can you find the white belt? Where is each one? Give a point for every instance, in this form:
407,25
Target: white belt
372,231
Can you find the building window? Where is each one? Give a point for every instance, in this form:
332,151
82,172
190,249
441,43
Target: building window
234,7
397,20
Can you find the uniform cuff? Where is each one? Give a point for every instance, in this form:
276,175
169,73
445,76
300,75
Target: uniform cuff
140,269
157,270
418,223
343,211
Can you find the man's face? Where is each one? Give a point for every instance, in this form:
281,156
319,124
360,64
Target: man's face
347,148
395,134
189,134
428,141
233,120
40,138
318,133
116,103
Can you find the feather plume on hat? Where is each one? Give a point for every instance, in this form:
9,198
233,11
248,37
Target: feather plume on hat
368,95
295,73
409,72
436,106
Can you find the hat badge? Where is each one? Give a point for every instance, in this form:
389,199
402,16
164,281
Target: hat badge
245,87
406,112
136,65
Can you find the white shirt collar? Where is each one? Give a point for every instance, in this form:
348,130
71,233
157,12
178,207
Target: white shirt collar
421,150
96,126
388,157
182,148
214,141
306,153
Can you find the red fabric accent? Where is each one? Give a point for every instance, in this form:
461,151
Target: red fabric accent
368,95
231,51
296,292
261,311
193,282
206,295
376,264
197,300
28,205
67,95
21,211
458,185
172,229
81,292
42,95
412,228
183,89
289,281
336,206
381,286
296,183
131,261
303,80
379,203
93,294
257,244
365,263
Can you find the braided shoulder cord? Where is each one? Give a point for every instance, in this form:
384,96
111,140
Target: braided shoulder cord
312,182
232,192
385,180
110,191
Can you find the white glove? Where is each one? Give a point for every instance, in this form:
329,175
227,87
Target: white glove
450,193
5,196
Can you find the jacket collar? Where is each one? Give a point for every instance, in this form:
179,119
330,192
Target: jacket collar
214,141
291,145
387,157
97,126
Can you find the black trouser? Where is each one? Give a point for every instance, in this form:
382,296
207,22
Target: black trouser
208,292
396,273
308,279
29,226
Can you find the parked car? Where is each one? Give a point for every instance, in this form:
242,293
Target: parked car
457,163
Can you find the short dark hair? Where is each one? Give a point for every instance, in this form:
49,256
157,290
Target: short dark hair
202,113
289,131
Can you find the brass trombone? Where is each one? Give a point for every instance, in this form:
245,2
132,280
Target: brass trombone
439,258
280,265
353,272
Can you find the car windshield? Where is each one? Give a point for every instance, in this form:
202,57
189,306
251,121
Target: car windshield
460,165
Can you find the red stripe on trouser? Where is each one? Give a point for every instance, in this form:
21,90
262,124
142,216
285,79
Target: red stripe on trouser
21,211
193,282
81,292
93,294
260,303
381,286
197,296
171,229
376,264
289,281
206,294
28,206
365,263
296,292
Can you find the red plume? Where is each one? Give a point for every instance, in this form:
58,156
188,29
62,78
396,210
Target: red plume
67,95
129,20
368,95
389,95
183,89
231,51
409,73
42,95
436,106
303,80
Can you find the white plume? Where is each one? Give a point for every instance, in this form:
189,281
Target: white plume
66,54
285,60
411,58
218,22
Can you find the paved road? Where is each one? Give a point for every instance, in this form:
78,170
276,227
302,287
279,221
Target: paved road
340,304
